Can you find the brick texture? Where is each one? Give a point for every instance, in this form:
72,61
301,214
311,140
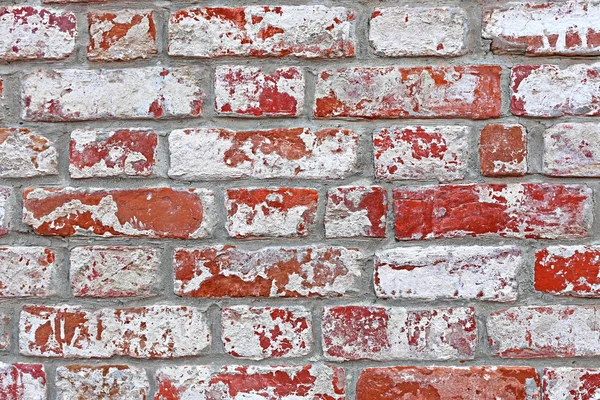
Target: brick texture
299,200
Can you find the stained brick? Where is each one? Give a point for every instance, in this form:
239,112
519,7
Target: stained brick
356,211
572,149
107,382
27,271
503,150
24,154
23,381
571,383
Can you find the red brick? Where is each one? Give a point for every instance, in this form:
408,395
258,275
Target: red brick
571,383
121,36
568,270
213,153
395,333
24,154
572,149
550,91
226,271
503,150
132,93
449,383
356,211
123,152
266,332
152,212
552,28
6,209
421,152
250,92
257,31
270,212
144,332
544,332
310,382
519,210
114,271
36,33
22,381
35,268
107,382
413,92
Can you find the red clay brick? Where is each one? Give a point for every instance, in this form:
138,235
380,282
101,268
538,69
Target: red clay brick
571,383
568,270
24,154
107,382
356,211
503,150
34,267
22,381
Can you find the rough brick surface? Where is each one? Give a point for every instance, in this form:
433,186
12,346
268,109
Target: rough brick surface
398,31
133,93
266,332
23,381
152,212
394,333
122,36
4,332
572,149
571,383
101,154
27,271
270,212
299,382
301,31
421,153
418,92
555,28
6,209
356,211
114,271
36,33
551,91
25,154
301,153
449,383
522,210
109,382
544,331
448,272
226,271
503,150
250,92
144,332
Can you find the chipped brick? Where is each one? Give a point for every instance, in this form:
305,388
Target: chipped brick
27,271
24,154
356,211
107,382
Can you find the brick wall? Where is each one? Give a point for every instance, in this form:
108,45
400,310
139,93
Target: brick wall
362,200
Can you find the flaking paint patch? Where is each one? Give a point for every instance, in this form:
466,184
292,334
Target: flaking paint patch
106,382
24,154
27,271
23,381
6,211
571,383
448,272
356,211
572,149
227,271
395,333
257,333
302,31
295,153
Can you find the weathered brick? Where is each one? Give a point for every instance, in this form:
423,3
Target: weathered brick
449,383
4,333
571,383
258,382
448,272
551,91
409,92
503,150
519,210
544,331
133,93
114,271
27,271
150,212
572,149
226,271
107,382
121,36
266,332
123,152
36,33
249,92
22,381
553,28
256,31
143,332
395,333
24,154
300,153
270,212
356,211
400,31
421,153
568,270
6,209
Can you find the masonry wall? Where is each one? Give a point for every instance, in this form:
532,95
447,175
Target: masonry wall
329,200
